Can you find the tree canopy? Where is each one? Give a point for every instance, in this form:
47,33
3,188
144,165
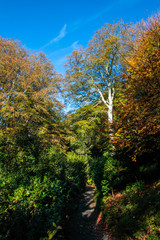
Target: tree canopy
29,87
140,112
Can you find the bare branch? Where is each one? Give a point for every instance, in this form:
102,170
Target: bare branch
101,95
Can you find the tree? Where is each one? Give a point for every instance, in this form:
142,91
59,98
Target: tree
138,124
93,73
28,89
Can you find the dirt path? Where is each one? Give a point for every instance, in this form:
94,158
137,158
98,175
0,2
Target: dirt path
83,224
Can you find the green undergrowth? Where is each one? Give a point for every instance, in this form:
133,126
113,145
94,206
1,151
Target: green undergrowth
37,193
134,213
128,196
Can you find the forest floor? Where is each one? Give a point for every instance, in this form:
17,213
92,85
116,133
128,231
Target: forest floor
85,223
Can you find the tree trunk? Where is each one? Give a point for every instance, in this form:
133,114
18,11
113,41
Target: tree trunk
110,106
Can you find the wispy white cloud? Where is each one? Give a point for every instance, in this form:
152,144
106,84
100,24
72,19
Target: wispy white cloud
61,35
59,57
64,51
80,23
115,4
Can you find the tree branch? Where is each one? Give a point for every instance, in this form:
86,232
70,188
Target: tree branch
101,95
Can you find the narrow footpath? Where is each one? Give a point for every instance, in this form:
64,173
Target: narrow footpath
84,223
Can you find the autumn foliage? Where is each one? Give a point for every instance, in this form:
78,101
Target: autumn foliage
138,121
28,90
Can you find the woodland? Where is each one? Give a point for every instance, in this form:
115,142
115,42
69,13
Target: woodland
111,139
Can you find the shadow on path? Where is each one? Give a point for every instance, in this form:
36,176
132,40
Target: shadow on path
83,223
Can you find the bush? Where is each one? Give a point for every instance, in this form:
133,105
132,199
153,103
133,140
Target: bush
134,213
96,170
76,178
37,195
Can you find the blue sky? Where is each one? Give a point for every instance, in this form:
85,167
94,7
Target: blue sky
57,27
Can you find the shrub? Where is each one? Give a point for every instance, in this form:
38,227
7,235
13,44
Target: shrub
39,193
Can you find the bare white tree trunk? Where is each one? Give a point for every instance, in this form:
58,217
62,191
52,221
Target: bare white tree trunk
110,106
110,114
108,102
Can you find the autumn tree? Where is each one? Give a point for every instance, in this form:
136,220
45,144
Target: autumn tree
28,89
138,121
